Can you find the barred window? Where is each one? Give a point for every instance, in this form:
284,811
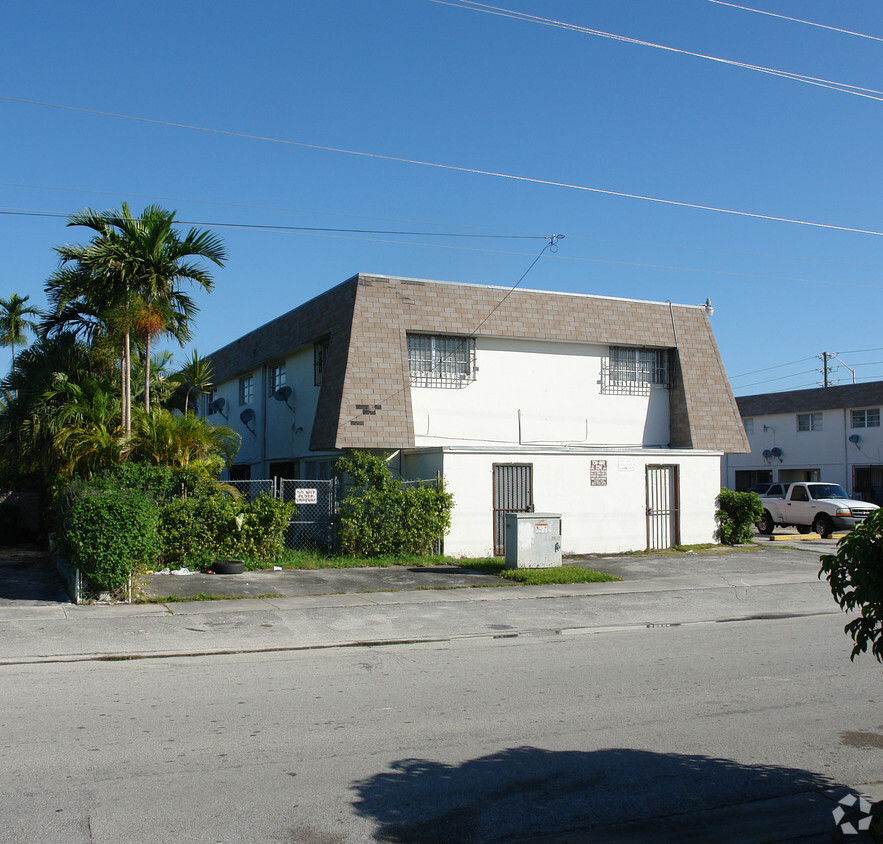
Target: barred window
633,371
320,357
246,389
437,360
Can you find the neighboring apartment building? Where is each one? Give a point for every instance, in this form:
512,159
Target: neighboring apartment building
823,434
614,413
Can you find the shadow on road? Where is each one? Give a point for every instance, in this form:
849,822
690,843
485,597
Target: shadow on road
28,575
527,791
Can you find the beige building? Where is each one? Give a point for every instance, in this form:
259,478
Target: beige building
613,412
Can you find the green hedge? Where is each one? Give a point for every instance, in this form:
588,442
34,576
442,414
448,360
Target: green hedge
382,516
111,534
140,516
197,531
736,513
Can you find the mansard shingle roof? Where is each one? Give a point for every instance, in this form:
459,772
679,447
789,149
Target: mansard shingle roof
365,400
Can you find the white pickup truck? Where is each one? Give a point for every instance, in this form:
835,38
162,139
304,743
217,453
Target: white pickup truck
820,507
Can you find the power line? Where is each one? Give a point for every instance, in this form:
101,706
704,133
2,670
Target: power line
281,228
780,378
842,87
769,368
642,243
347,234
798,20
453,167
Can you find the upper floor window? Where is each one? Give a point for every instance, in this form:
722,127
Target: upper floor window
809,421
276,377
246,389
748,425
869,418
210,407
633,372
438,360
320,357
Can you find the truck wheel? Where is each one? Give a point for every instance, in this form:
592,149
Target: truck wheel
765,525
822,526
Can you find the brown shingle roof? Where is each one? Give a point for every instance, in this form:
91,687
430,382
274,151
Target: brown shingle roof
367,319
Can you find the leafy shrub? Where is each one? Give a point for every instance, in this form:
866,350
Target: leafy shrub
382,516
262,533
197,531
111,534
855,575
736,513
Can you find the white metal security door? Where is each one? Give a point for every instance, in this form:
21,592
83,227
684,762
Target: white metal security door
663,522
513,493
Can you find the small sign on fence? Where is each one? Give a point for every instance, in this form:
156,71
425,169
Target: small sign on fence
306,495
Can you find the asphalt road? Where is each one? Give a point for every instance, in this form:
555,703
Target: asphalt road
709,697
467,740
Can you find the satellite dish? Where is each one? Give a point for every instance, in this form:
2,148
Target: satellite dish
767,454
248,416
854,439
217,406
776,452
284,393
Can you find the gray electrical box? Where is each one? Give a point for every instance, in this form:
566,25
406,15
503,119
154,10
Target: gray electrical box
533,540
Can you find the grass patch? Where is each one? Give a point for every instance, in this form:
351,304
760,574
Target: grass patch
315,560
559,574
701,548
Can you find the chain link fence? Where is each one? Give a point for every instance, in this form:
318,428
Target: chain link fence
315,502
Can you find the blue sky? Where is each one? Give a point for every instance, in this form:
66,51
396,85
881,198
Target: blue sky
420,80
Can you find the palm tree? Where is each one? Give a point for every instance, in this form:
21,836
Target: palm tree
183,442
14,322
155,260
196,376
134,266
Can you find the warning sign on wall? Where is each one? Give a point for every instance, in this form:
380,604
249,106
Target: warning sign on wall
599,473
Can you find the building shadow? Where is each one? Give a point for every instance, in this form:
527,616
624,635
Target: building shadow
29,576
523,792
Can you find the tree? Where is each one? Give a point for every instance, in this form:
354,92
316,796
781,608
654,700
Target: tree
127,280
855,575
196,377
182,442
154,262
15,322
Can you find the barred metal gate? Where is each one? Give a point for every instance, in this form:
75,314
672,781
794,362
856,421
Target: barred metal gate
513,493
315,502
663,507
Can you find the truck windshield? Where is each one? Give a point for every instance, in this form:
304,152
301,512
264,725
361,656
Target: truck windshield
827,491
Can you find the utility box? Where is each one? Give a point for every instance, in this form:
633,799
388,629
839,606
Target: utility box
533,540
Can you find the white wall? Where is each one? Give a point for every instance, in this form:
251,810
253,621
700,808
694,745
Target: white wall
554,389
287,431
828,450
595,519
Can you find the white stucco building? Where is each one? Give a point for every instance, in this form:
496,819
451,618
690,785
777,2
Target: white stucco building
822,434
614,413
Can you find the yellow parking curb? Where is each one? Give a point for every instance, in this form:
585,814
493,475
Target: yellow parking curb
791,537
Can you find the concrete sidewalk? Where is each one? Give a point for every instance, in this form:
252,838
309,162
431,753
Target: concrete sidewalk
345,607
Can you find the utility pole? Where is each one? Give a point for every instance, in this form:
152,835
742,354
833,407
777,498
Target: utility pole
825,367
